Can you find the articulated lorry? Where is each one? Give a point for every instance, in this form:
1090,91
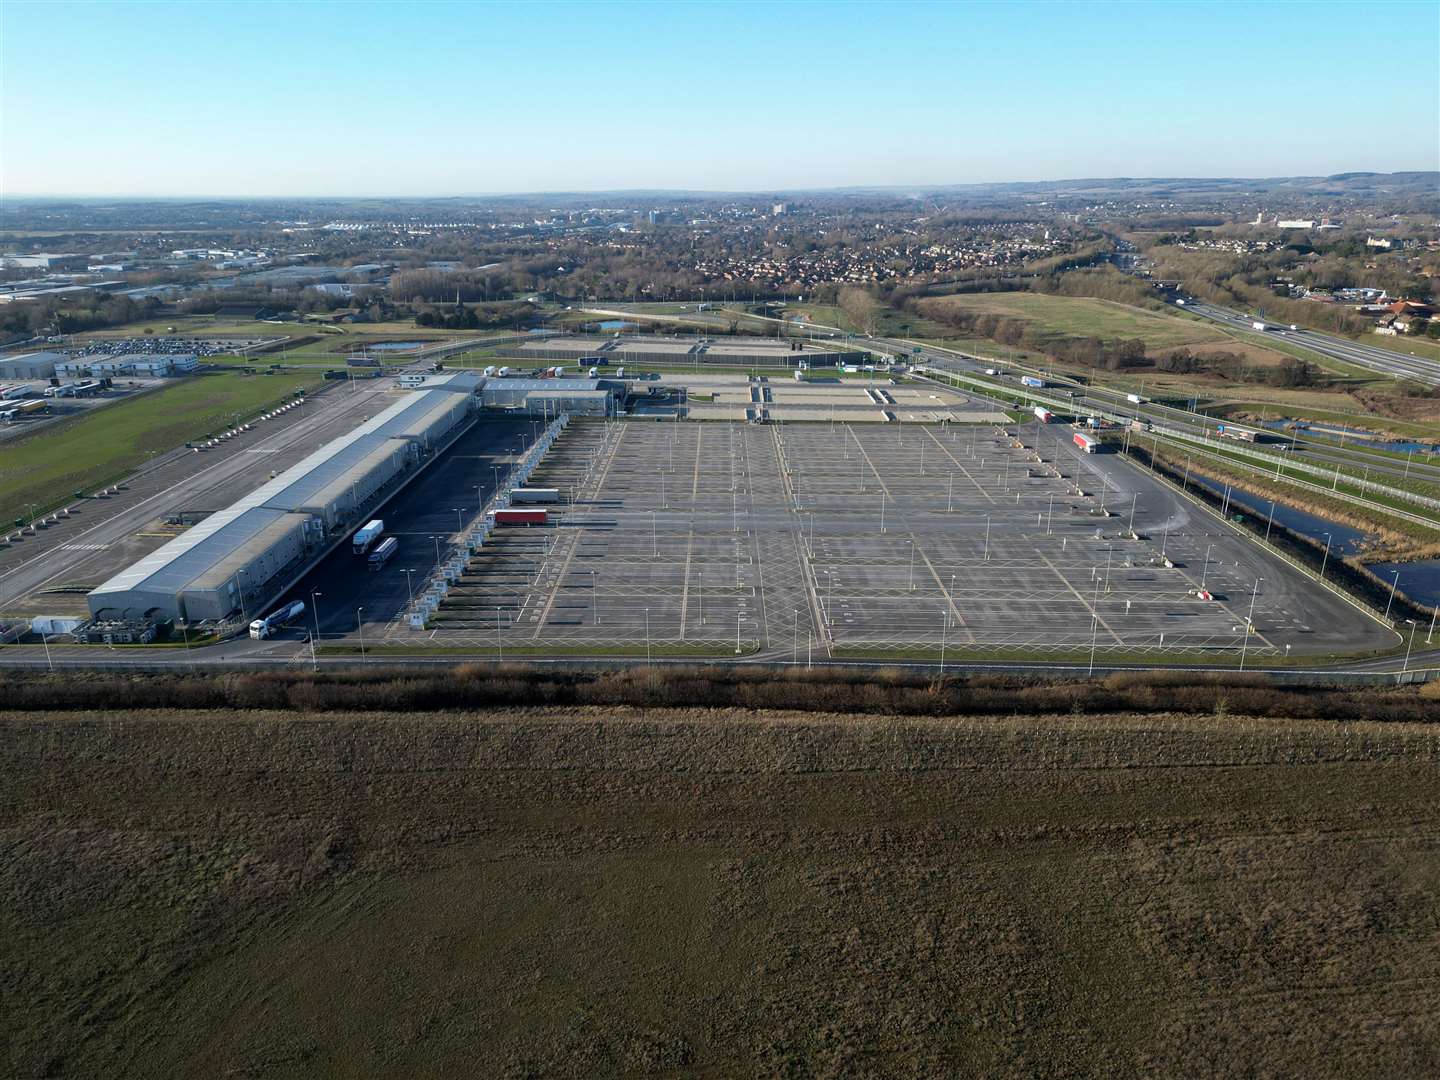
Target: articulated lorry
263,628
367,535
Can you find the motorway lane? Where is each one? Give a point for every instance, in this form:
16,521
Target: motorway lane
1386,361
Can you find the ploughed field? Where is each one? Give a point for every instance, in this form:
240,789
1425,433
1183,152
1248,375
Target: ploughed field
585,891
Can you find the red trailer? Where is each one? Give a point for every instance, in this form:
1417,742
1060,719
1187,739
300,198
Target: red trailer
520,517
1088,443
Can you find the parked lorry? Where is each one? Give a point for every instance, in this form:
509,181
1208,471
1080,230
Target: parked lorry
1043,414
1085,442
520,517
367,535
381,555
263,628
535,495
1134,399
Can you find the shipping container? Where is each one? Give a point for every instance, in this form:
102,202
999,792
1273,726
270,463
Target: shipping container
535,495
367,535
520,517
1085,442
381,555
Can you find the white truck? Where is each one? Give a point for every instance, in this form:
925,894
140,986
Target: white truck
263,628
1257,324
1134,399
367,535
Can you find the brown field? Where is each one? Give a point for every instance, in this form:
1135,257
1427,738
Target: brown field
575,891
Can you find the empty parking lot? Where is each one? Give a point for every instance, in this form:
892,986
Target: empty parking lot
820,540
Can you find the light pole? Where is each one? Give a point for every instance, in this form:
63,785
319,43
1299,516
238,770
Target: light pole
1393,586
459,524
1094,624
410,584
647,635
912,565
1326,559
499,640
315,610
987,537
360,626
1403,667
1249,623
944,627
1433,612
1205,569
1270,521
594,599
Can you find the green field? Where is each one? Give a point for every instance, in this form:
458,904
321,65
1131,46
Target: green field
104,444
1085,317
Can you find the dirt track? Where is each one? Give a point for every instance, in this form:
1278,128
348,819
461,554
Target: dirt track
589,892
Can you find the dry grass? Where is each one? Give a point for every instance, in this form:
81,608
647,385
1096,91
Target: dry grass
589,892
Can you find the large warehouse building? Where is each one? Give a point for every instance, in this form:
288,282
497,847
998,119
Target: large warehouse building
37,365
238,559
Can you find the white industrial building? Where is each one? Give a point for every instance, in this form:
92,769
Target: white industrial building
238,559
37,365
151,365
550,397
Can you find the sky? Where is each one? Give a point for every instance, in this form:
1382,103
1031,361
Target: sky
353,98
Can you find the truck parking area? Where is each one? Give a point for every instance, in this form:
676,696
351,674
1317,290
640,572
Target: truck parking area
827,540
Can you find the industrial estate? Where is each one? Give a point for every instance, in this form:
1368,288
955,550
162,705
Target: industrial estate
680,496
648,540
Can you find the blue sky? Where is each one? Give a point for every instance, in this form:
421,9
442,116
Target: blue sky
440,98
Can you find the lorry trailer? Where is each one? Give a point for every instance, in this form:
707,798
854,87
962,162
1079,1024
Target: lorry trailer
520,517
381,555
1134,399
1087,443
1031,380
1043,414
263,628
1230,431
367,535
534,495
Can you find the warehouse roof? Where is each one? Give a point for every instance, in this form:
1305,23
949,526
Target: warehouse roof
244,553
196,551
525,385
300,485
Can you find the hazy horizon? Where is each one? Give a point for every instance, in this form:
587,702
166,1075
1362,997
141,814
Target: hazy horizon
456,100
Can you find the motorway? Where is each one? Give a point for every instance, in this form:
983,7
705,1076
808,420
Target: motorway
1386,361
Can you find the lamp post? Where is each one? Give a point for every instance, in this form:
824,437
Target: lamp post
409,584
1393,586
647,635
1249,623
1403,667
360,627
1326,559
499,641
315,610
459,523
